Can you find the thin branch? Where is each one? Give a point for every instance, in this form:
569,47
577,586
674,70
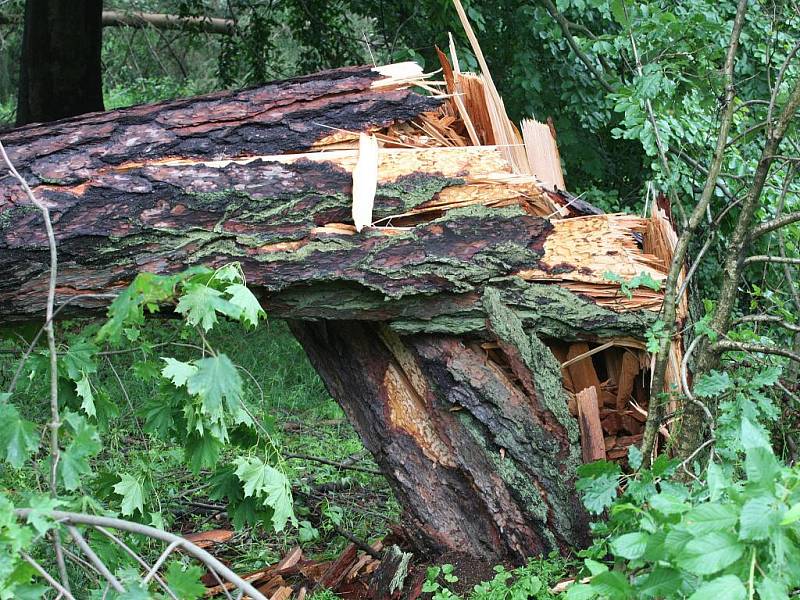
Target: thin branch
721,185
764,258
94,559
669,310
137,558
662,153
39,333
187,547
775,90
65,593
325,461
55,421
730,345
768,319
776,223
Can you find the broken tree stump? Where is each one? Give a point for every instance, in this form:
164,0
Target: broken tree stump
479,447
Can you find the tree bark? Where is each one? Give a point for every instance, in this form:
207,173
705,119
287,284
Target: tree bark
478,446
60,70
481,455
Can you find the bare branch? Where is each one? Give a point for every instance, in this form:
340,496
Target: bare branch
768,319
94,559
730,345
763,258
55,421
777,223
138,19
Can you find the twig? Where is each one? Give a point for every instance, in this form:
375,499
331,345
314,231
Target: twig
772,259
39,333
551,8
137,558
768,319
325,461
94,559
728,345
55,422
47,577
213,564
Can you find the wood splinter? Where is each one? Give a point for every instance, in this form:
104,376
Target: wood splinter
592,442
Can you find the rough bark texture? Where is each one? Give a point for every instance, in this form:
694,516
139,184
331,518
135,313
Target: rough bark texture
482,460
60,68
481,451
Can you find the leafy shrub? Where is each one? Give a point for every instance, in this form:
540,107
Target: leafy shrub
732,535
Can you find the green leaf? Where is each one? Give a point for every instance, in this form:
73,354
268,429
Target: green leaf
634,457
766,377
177,372
792,515
717,481
217,381
132,494
185,581
85,443
613,585
200,305
769,589
712,384
710,553
753,436
247,302
711,516
202,451
630,545
676,540
79,359
761,466
757,520
727,587
580,591
668,504
597,494
39,516
18,438
84,390
661,582
263,480
618,11
594,567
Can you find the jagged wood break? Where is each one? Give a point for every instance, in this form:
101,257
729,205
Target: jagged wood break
478,445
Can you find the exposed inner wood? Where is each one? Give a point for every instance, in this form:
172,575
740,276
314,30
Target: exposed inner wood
592,442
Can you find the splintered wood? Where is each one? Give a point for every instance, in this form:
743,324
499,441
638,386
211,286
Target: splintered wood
606,388
296,576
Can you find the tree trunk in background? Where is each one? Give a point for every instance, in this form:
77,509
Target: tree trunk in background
60,70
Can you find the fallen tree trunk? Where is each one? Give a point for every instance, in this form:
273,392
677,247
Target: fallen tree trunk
427,327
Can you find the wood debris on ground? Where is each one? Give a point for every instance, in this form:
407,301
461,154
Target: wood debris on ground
354,574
